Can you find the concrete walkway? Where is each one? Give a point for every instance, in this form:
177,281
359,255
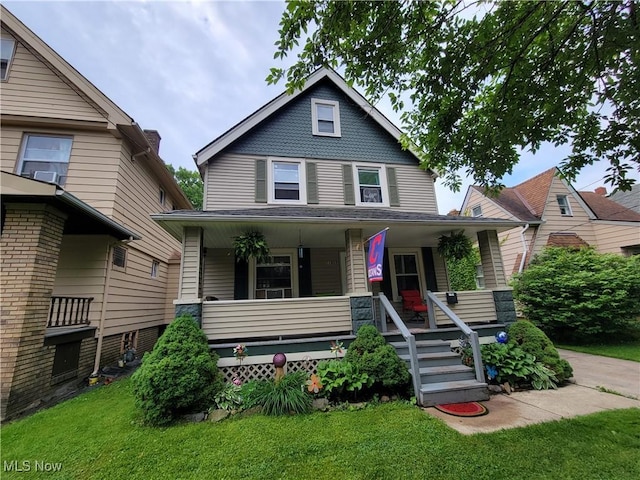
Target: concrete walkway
591,373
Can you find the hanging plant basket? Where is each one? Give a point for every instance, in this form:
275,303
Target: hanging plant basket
455,246
251,244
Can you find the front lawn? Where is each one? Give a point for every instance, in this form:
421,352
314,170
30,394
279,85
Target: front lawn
624,351
97,435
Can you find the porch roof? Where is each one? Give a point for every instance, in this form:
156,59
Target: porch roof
287,226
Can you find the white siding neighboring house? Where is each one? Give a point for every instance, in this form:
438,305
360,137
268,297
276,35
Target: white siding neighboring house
557,215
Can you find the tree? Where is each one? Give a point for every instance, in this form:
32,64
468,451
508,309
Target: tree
472,91
190,183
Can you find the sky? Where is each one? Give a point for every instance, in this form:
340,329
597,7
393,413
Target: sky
194,69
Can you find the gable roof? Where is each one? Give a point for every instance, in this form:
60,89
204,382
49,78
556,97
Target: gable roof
227,138
118,120
607,209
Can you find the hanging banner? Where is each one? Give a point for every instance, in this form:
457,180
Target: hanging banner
375,256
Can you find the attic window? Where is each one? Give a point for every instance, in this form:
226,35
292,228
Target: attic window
476,211
162,197
563,203
325,116
7,47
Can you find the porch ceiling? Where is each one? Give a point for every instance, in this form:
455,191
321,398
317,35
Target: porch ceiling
317,227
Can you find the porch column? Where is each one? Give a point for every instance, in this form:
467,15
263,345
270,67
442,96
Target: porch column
357,288
30,248
491,259
189,300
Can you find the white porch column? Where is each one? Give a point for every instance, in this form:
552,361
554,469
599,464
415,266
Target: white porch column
491,259
190,287
356,267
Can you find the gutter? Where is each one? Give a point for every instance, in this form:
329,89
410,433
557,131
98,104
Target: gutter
524,248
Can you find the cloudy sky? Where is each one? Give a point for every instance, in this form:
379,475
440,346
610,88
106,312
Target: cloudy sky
192,70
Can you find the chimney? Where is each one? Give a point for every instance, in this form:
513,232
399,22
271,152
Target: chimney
454,213
154,139
601,191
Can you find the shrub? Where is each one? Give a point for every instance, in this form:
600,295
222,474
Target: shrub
370,354
509,363
462,273
229,397
178,376
284,397
580,295
532,340
341,378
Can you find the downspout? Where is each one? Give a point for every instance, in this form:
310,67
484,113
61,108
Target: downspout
524,248
103,312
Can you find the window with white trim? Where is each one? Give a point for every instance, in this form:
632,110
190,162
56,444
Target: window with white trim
476,211
45,157
7,47
325,117
371,185
287,182
480,277
274,278
162,197
563,203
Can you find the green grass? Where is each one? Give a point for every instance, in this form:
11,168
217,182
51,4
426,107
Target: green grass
624,351
98,436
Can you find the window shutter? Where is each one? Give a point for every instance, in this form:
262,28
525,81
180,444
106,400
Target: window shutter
261,181
312,183
394,197
347,180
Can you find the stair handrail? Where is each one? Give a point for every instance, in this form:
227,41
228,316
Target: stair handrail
471,334
387,309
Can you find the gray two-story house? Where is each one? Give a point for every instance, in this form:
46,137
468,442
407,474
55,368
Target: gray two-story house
318,172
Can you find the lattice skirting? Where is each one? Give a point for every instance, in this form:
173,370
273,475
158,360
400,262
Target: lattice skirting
265,371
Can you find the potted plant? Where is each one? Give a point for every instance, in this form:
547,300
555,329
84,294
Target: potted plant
251,244
455,246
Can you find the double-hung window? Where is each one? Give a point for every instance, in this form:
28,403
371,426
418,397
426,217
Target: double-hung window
563,203
7,47
325,115
371,185
287,182
45,157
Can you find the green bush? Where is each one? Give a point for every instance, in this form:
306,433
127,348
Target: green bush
509,363
179,376
532,340
284,397
580,295
370,354
342,379
462,273
229,397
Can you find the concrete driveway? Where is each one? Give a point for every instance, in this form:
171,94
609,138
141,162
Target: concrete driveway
581,397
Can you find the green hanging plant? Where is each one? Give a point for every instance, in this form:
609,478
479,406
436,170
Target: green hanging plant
455,246
251,244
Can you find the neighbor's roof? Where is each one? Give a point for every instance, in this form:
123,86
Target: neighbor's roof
630,198
607,209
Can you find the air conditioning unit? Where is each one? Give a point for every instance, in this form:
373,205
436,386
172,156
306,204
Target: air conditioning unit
45,176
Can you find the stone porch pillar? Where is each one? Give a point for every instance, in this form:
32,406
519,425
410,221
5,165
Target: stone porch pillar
357,283
491,259
30,249
190,286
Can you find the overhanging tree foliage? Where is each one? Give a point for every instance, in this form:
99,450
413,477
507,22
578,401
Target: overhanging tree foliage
190,183
472,91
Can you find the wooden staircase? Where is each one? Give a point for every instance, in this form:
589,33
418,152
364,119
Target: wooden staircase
443,377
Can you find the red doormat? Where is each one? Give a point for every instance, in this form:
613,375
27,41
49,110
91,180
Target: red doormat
467,409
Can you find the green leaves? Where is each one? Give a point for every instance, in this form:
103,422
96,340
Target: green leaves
474,91
190,183
251,244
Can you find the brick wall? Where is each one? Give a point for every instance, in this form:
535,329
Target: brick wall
30,247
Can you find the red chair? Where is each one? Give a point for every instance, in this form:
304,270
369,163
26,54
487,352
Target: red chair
412,302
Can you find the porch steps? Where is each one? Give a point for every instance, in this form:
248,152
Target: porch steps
443,377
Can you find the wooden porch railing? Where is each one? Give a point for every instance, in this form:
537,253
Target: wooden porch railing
69,311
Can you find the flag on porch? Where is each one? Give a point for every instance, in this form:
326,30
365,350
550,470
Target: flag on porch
375,256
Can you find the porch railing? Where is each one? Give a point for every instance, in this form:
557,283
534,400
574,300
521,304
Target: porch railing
433,301
387,309
69,311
